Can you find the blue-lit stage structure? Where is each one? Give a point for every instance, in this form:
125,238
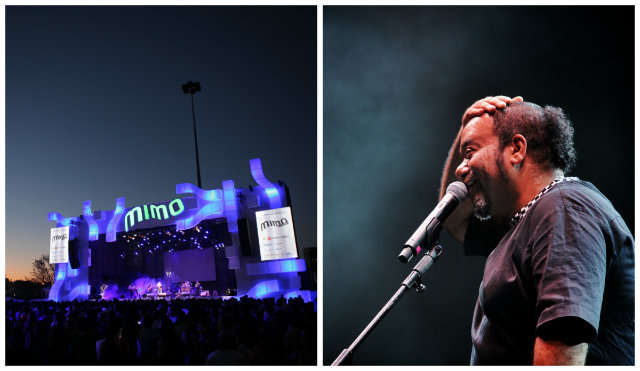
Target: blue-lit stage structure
208,236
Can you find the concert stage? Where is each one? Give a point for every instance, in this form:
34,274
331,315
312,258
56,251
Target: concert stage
307,297
230,240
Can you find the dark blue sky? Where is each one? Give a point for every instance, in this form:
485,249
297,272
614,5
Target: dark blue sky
94,109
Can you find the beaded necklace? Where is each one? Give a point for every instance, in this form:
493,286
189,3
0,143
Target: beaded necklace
520,214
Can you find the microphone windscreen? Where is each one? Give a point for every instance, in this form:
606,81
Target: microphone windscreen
458,190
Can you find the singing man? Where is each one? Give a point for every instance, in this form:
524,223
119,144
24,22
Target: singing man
558,284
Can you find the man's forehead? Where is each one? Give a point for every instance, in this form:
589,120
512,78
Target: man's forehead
478,130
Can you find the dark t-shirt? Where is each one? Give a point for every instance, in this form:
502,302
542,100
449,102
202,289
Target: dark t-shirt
564,272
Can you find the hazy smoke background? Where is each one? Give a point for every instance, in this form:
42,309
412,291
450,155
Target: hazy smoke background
396,82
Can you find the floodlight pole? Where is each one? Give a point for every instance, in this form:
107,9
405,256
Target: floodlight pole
191,88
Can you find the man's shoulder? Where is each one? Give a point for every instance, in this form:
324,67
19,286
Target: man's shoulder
578,196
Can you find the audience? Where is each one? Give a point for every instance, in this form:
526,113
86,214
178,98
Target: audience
247,331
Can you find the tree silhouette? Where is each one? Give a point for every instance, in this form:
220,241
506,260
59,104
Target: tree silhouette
43,271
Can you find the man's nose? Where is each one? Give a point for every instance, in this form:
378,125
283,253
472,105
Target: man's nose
463,169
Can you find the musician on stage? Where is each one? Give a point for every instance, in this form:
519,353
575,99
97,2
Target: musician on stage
131,289
558,285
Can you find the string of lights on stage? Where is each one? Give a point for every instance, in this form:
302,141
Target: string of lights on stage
167,239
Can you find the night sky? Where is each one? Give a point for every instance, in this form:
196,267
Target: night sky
396,83
95,110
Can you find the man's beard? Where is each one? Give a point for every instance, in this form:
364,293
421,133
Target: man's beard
481,206
480,201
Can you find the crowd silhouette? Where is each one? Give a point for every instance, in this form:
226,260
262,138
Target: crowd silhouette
245,331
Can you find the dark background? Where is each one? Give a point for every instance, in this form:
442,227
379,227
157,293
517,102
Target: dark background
396,83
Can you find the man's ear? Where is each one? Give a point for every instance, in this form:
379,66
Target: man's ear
519,150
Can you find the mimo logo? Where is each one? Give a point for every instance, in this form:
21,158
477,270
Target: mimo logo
273,223
58,237
159,212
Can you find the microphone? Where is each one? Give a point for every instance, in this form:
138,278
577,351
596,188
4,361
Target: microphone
429,231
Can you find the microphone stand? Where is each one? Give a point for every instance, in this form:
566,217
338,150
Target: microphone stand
413,280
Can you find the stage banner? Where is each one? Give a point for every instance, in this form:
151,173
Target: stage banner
59,245
276,234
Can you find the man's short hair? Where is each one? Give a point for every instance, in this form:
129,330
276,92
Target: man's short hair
548,132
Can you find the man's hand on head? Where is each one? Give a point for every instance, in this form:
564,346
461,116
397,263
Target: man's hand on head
487,105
